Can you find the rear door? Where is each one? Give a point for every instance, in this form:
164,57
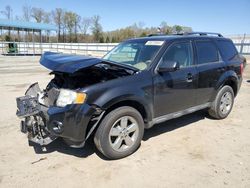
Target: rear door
210,67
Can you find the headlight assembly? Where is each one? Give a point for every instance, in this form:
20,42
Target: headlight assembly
70,97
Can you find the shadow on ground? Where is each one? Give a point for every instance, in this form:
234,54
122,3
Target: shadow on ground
89,148
60,146
173,124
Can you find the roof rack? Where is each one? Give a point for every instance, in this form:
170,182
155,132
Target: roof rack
188,33
156,34
203,33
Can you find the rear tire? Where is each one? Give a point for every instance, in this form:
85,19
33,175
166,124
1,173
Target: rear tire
223,103
120,133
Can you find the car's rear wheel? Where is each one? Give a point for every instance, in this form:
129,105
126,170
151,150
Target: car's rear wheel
120,133
223,103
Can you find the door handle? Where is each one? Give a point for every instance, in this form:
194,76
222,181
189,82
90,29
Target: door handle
189,77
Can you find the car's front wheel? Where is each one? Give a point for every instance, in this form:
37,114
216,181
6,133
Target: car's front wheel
120,133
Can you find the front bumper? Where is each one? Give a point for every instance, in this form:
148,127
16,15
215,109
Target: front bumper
44,124
70,122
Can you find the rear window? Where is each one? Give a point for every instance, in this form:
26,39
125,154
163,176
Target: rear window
227,49
206,52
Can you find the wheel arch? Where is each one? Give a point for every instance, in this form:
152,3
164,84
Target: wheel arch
138,105
131,103
229,78
233,84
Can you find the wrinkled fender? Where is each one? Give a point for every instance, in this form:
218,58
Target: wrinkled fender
227,76
135,88
117,95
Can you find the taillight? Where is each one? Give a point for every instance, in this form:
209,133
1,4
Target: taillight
241,68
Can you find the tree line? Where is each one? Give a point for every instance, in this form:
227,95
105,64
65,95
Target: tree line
73,27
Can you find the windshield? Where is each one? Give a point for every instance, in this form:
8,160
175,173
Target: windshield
138,54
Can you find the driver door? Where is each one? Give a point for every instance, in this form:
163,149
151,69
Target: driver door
175,90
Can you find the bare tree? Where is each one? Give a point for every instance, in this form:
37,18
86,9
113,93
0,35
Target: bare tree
18,18
96,28
77,20
165,29
137,28
141,25
85,25
69,23
46,17
7,12
27,13
37,14
64,26
58,15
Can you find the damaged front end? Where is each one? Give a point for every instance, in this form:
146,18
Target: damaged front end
35,116
63,109
44,120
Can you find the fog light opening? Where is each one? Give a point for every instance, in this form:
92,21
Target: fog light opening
57,127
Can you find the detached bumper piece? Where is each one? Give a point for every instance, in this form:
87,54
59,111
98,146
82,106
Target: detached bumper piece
34,127
34,123
27,106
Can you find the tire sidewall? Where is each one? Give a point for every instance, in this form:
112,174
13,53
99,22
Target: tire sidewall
218,100
106,125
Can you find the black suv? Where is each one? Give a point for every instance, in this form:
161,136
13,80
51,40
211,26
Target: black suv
139,83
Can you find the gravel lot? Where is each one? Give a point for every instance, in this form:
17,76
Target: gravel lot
191,151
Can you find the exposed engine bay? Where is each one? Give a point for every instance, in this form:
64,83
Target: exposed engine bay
89,76
34,105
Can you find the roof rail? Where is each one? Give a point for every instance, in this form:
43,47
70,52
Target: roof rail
156,34
187,33
203,33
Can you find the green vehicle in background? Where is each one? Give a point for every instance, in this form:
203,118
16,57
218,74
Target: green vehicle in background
12,48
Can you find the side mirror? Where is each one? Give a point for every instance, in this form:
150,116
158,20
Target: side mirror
168,66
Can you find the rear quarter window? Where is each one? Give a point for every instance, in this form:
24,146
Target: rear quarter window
227,49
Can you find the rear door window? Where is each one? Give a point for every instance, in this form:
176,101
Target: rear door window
227,49
206,52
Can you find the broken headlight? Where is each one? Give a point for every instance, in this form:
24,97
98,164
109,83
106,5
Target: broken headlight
70,97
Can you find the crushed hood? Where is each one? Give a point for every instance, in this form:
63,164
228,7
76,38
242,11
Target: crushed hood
71,63
67,63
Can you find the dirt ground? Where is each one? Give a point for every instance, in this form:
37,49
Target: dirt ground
191,151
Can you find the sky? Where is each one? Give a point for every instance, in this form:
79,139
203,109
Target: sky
223,16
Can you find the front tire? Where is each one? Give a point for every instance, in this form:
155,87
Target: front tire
223,103
120,133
